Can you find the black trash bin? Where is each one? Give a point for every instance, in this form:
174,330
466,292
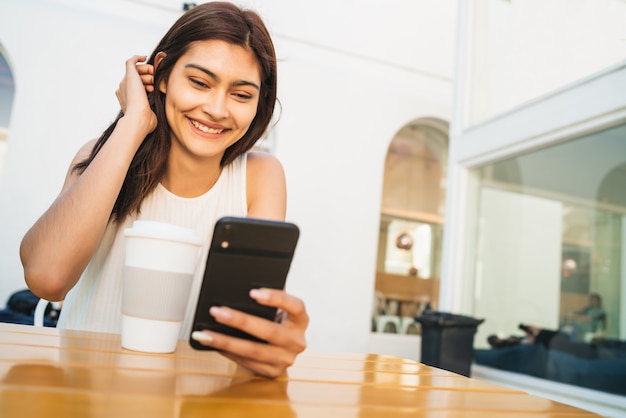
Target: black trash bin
448,340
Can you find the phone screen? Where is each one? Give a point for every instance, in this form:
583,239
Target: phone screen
245,253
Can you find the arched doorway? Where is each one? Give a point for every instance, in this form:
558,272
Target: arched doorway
7,92
411,226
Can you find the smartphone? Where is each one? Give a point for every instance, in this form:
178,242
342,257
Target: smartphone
245,253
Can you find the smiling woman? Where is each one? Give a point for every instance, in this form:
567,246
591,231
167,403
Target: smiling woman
178,152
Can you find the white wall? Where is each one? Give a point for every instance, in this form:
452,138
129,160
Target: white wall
525,49
351,74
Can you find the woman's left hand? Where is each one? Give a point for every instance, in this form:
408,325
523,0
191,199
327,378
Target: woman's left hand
285,339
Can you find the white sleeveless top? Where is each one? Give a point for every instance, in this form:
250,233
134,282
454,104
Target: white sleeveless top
95,302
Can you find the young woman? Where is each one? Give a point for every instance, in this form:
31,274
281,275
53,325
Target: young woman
178,153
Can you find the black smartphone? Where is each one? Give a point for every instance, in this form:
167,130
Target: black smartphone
245,253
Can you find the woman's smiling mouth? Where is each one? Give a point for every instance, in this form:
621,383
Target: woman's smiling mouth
205,128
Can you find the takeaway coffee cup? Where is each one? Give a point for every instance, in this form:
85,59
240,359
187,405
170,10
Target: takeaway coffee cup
158,271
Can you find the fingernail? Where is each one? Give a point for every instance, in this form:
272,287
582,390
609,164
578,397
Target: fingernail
202,337
221,312
259,294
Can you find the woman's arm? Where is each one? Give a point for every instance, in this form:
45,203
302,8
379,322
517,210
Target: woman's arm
58,247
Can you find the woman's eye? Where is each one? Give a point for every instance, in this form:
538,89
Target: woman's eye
198,82
242,96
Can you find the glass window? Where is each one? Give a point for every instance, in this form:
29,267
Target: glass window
550,249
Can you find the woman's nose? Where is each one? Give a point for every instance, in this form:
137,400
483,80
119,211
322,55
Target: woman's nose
216,106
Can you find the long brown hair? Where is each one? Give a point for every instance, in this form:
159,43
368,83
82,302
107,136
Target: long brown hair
214,20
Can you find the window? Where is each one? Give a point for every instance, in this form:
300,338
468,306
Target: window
550,246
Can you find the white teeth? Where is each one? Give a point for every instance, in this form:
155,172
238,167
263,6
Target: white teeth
206,129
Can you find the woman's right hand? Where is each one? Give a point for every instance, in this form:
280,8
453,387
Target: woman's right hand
131,93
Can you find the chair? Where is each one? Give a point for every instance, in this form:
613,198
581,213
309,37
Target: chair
40,311
408,325
384,319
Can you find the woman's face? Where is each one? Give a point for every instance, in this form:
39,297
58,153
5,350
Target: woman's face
211,98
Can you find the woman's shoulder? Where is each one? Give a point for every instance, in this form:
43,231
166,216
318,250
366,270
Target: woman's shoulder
262,164
261,156
266,186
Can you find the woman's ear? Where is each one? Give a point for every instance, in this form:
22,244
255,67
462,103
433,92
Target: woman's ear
157,60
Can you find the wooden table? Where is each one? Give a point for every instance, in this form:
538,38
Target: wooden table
46,372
